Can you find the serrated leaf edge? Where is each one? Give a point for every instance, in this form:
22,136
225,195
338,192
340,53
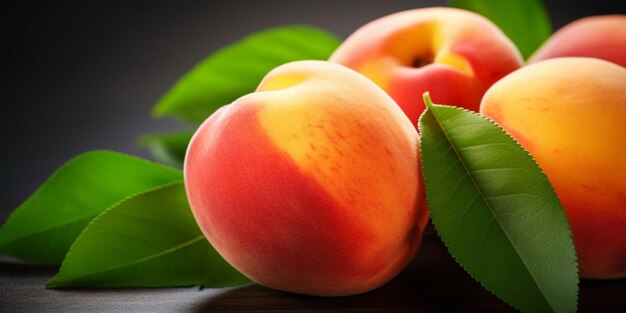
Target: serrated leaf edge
473,182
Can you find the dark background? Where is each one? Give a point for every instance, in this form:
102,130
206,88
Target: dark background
83,75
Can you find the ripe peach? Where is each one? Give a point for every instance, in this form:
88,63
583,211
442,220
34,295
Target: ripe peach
454,54
311,184
602,37
570,114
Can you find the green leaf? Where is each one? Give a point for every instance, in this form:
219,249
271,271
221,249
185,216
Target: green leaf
168,149
496,211
149,240
237,69
526,22
42,229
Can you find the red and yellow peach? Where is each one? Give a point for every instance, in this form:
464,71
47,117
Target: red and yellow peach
311,184
570,114
454,54
602,37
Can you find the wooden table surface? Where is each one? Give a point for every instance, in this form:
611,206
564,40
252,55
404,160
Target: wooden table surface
433,282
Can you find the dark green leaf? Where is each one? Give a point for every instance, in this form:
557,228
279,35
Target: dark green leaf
496,211
526,22
238,69
43,228
168,149
149,240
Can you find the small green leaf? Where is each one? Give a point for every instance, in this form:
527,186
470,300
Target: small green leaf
496,211
42,229
526,22
168,149
237,69
149,240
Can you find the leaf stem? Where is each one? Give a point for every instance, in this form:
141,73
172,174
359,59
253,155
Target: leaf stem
427,101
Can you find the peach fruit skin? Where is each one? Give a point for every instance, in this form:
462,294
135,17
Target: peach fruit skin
602,37
570,114
311,184
467,52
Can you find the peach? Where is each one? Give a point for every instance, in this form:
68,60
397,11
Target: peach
602,37
311,184
570,114
454,54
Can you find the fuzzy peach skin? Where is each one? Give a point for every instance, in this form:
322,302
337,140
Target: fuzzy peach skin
602,37
311,184
570,114
454,54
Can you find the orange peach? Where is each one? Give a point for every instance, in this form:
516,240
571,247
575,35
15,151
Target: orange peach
570,114
602,37
311,184
454,54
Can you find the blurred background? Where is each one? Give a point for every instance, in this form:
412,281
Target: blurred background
83,75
